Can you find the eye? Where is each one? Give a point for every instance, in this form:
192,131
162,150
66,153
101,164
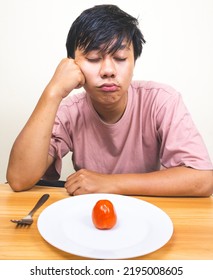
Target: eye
97,59
120,58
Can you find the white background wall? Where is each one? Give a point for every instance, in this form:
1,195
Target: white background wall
179,52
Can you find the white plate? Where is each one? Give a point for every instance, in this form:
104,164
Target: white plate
141,227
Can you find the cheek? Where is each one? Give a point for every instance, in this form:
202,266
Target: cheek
89,73
126,73
85,66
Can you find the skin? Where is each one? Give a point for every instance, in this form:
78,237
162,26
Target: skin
106,78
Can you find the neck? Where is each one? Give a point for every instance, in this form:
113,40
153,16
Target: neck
111,113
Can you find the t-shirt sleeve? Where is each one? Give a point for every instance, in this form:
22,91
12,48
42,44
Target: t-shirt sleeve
181,142
60,145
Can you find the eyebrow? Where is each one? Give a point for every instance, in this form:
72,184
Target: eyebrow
122,47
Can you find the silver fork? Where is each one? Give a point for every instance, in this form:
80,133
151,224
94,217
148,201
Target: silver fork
28,220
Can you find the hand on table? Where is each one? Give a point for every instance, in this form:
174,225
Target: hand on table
85,181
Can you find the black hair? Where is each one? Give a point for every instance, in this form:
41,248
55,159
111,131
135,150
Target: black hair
105,26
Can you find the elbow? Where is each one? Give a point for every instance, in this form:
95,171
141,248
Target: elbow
18,184
209,191
22,181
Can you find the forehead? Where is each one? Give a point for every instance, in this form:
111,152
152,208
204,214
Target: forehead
110,48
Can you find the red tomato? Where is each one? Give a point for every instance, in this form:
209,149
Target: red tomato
104,215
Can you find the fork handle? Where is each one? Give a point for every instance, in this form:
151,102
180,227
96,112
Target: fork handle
39,203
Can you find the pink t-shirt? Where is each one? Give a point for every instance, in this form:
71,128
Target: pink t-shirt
155,130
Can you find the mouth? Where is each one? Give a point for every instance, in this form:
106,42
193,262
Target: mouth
108,87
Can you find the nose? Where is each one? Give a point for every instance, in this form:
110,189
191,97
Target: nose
107,68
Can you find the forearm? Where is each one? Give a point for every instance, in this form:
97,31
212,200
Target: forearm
178,181
29,155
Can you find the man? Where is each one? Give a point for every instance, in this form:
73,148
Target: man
126,137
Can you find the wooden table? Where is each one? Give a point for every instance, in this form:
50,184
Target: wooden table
192,218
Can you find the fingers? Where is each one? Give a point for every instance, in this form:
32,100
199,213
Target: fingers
67,77
75,183
85,181
71,184
78,191
82,77
81,83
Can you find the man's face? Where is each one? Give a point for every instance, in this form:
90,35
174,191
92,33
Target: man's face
107,76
